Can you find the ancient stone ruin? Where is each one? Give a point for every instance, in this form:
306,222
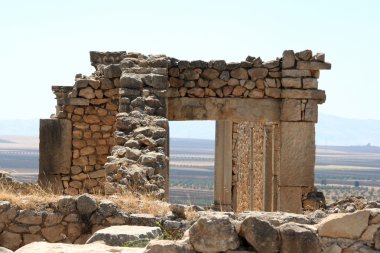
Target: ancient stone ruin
110,132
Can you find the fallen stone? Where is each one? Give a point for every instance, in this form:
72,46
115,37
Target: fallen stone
86,204
298,239
44,247
260,234
213,233
160,246
119,235
340,225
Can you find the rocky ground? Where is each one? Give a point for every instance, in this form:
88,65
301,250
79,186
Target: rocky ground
90,224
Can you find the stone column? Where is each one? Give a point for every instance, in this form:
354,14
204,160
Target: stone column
223,165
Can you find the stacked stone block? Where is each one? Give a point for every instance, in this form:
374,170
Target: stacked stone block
91,106
139,160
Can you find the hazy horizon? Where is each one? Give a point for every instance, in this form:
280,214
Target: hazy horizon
330,130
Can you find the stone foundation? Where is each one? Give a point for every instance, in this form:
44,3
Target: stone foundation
73,220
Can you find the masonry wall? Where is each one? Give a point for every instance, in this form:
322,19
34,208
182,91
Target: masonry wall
91,105
120,116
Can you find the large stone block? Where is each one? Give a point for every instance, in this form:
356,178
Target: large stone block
290,199
311,111
119,235
297,154
341,225
224,109
288,59
291,110
304,94
55,151
314,65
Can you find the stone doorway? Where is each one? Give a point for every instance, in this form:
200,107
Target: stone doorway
192,162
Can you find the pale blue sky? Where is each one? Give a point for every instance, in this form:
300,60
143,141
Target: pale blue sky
46,43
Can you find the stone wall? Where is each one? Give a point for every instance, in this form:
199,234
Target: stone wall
69,220
91,106
120,114
74,220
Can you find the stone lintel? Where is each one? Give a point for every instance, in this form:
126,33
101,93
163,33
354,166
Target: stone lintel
234,109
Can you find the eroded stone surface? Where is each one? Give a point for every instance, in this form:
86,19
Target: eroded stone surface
213,234
350,226
119,235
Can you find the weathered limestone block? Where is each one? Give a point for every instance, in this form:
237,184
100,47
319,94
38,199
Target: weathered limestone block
290,199
295,73
29,217
288,59
310,83
224,109
54,233
292,83
118,235
291,110
311,111
44,247
298,239
257,73
273,92
260,234
55,152
297,154
159,246
213,234
304,94
86,204
304,55
342,225
87,93
314,65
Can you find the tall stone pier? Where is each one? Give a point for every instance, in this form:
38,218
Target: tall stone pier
265,115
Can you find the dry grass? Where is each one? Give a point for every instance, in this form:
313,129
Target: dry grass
33,196
131,203
27,195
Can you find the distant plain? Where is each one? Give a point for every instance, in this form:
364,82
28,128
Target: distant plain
340,170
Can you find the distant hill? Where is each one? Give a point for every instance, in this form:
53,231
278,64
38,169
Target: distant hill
331,130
